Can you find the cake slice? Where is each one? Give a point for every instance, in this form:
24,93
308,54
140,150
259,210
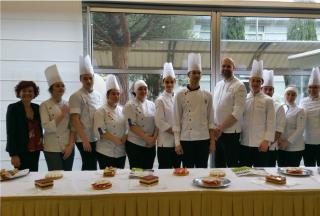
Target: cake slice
149,180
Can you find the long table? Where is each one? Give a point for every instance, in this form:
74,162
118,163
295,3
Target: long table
174,195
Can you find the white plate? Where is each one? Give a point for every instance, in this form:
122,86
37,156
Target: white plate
198,182
305,172
20,173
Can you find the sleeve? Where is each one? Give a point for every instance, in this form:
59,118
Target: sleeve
270,121
75,104
160,120
177,114
280,119
48,125
98,122
239,102
130,114
12,142
301,121
210,111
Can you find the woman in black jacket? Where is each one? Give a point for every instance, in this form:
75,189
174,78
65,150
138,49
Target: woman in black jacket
24,132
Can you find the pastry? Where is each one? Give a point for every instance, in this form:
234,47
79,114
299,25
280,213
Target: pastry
149,180
101,185
276,179
109,172
217,173
181,171
44,183
211,181
54,175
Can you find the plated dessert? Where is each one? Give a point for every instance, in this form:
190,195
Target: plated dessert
276,179
149,180
101,185
54,175
45,183
109,172
217,173
8,174
294,170
211,181
180,172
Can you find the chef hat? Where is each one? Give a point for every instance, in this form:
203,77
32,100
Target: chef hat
291,88
268,78
168,70
52,75
85,65
112,83
257,68
314,77
138,84
194,62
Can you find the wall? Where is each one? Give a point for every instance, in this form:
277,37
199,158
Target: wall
35,35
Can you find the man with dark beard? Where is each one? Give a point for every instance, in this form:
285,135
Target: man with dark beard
229,100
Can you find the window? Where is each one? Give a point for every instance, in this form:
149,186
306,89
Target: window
274,41
136,45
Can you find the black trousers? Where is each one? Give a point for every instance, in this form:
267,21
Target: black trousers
139,156
311,155
168,158
227,150
89,159
289,159
29,160
250,156
106,161
272,158
195,153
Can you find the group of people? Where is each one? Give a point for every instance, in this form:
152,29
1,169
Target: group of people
241,129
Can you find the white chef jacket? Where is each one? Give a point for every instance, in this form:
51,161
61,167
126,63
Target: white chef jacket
295,122
193,115
312,127
280,121
164,119
56,136
111,120
259,120
140,114
85,104
229,98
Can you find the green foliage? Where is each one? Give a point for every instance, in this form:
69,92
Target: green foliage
302,30
232,28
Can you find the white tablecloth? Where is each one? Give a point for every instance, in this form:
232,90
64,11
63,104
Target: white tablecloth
75,187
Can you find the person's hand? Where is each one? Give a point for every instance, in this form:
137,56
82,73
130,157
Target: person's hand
151,140
86,146
217,132
169,131
212,147
118,141
67,151
179,150
283,144
264,145
15,161
64,110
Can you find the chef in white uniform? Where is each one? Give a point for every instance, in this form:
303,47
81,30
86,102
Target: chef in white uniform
55,119
229,100
291,143
268,89
110,127
311,106
83,104
142,134
258,128
193,119
167,157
